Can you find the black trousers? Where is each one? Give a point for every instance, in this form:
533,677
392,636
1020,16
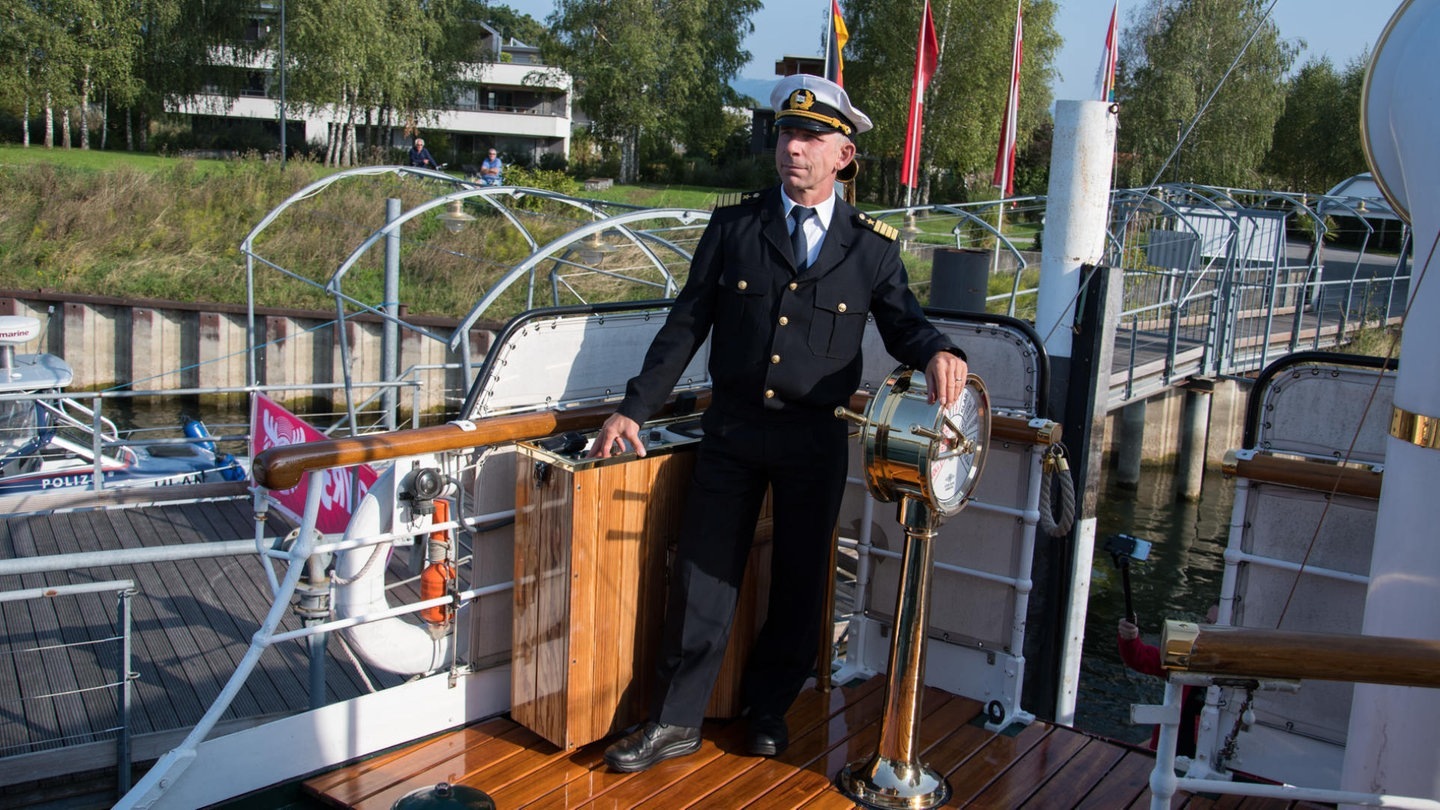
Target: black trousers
804,464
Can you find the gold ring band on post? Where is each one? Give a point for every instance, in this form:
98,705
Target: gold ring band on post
1415,428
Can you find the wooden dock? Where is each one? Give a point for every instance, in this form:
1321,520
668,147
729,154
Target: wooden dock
1037,766
191,623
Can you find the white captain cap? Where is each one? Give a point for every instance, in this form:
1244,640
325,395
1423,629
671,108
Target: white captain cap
820,105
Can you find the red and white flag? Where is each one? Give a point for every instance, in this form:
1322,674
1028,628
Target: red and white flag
1005,156
1106,79
927,57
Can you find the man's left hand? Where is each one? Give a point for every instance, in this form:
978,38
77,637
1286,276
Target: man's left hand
945,376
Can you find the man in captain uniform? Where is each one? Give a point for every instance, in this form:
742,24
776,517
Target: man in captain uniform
783,284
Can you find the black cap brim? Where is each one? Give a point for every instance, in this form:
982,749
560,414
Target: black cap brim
800,122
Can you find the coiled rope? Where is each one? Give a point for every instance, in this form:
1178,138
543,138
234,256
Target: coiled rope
1051,523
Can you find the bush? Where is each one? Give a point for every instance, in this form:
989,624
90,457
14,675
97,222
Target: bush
542,178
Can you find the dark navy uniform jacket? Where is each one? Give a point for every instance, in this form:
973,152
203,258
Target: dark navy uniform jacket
784,344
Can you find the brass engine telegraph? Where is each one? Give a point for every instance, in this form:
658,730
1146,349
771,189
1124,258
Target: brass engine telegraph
928,458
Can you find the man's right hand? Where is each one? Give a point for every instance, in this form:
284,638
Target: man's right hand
617,435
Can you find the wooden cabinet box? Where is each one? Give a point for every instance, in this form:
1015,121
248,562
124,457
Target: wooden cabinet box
591,563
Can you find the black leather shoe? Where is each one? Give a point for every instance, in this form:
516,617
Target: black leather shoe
652,743
767,736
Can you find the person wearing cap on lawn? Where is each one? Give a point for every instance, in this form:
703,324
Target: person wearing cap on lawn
783,284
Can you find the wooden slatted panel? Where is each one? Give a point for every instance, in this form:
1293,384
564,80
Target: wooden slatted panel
1121,784
534,596
589,564
590,588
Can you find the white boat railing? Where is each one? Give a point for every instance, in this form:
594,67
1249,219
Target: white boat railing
121,683
1270,660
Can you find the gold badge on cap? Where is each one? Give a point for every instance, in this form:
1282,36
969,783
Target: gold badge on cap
801,99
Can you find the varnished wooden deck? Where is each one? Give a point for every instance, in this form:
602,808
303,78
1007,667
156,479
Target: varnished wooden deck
1038,766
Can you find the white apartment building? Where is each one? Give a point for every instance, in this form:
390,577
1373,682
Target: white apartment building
513,103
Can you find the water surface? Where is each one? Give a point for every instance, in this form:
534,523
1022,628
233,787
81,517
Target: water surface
1180,580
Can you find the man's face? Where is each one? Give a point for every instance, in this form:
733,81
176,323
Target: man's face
808,161
419,144
492,153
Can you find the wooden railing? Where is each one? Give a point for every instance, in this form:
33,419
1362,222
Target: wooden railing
1317,476
1284,654
283,467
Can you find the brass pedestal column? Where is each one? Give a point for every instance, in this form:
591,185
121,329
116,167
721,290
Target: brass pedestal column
895,777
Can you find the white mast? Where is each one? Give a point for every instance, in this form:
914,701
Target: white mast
1394,736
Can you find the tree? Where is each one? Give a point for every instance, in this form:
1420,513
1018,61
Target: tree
107,37
1174,54
23,46
42,67
186,48
350,57
657,68
514,24
1317,139
966,98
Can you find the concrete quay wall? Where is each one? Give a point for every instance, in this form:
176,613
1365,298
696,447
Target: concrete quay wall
1188,427
154,345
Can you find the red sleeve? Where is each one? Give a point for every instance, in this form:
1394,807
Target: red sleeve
1141,657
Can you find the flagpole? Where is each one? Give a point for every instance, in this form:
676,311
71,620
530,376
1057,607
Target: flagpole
829,35
1012,122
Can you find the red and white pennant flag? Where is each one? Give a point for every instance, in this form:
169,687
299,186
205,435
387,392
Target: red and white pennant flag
1107,64
927,57
1005,156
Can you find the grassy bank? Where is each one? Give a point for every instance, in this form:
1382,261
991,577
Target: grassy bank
143,226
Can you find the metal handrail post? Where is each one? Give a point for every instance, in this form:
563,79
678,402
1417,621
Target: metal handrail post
1269,309
127,694
1395,273
1177,305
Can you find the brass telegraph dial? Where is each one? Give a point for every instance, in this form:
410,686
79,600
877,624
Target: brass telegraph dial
923,450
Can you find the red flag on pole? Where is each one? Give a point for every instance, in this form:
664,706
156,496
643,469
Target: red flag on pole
839,35
1107,65
927,56
1005,156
